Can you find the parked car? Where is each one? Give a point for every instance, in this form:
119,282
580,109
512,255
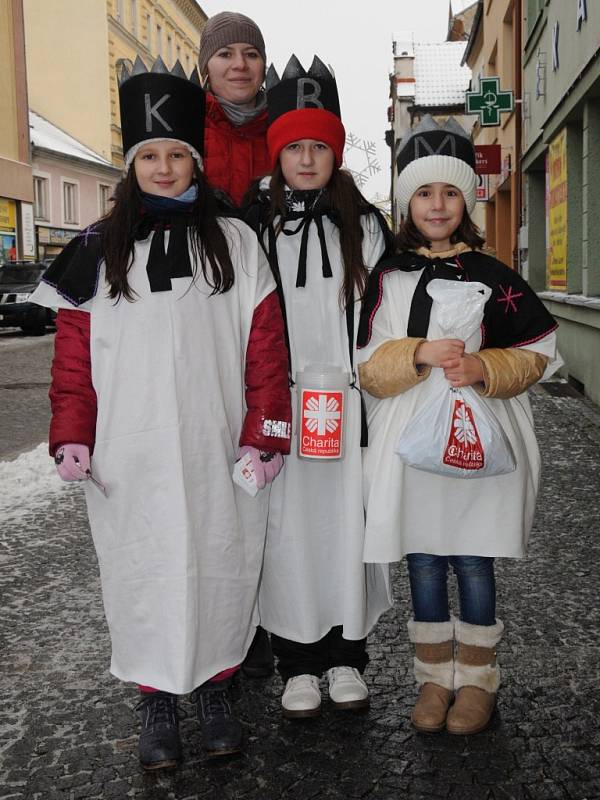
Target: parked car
18,279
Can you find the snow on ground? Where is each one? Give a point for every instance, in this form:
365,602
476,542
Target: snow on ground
28,483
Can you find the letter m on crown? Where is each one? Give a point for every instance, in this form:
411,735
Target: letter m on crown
152,111
447,147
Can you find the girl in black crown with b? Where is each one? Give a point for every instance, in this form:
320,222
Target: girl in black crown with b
317,598
170,363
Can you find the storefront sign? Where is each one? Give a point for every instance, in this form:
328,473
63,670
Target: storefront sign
581,13
482,190
27,231
59,236
489,102
556,210
487,158
555,35
8,215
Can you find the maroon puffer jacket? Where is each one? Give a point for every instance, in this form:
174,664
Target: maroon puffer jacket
233,156
269,414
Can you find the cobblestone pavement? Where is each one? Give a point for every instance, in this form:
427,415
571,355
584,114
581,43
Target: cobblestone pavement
68,730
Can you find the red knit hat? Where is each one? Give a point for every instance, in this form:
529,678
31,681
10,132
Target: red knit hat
303,105
306,123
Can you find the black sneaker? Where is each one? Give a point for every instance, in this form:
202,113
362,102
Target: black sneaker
159,745
259,661
221,731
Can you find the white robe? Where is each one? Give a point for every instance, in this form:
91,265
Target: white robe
313,575
178,544
411,511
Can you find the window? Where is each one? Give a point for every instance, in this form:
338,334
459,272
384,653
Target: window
133,12
169,51
70,203
178,53
187,63
41,207
120,11
148,31
532,11
159,40
104,195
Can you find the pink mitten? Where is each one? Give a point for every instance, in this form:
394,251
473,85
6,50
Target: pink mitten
72,461
265,463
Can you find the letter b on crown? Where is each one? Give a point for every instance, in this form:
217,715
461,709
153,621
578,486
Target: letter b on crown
307,98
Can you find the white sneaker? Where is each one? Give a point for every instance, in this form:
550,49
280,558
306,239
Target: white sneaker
302,697
347,689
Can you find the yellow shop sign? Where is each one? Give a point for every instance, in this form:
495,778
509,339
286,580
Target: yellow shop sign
7,214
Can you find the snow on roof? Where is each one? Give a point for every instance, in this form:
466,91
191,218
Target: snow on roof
440,80
44,134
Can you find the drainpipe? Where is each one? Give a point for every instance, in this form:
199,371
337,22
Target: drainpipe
518,66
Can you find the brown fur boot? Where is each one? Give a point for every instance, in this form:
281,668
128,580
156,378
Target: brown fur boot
476,678
434,672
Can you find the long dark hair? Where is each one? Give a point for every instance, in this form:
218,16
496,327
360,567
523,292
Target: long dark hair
344,198
409,237
209,244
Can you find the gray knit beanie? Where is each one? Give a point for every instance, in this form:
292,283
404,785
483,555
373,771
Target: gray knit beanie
225,28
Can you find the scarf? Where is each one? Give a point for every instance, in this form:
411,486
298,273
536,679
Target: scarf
173,214
241,113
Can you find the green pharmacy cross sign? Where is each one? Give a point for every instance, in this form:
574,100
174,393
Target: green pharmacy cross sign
489,101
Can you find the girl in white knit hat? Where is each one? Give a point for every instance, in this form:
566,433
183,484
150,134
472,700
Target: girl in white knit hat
442,517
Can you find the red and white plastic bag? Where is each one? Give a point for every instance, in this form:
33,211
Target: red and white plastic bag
456,433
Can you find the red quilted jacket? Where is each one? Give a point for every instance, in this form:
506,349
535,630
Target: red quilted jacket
233,156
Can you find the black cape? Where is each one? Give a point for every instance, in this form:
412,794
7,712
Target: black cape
75,271
514,315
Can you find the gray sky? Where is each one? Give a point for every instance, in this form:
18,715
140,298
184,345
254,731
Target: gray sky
356,39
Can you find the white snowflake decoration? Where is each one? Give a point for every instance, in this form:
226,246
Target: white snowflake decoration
356,151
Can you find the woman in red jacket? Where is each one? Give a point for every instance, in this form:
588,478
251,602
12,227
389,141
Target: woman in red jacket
232,62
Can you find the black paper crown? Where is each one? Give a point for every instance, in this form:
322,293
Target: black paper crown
161,104
431,139
297,88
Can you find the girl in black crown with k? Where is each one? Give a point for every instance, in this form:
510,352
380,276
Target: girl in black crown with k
434,519
170,363
317,598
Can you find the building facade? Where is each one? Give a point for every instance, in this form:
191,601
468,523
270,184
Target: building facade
561,166
16,187
72,186
428,78
494,50
72,80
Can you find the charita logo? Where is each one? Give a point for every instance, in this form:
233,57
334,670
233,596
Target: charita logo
464,449
322,414
321,424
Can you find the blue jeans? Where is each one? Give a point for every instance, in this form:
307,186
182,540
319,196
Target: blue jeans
428,575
